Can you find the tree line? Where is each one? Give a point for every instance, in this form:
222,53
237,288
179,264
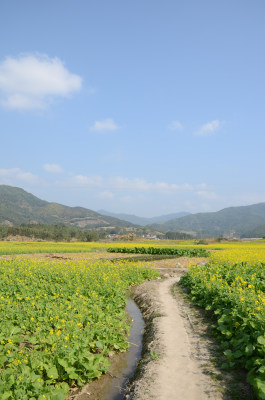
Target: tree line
58,232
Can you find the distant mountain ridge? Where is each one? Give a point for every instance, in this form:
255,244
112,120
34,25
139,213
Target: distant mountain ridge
18,206
134,219
229,222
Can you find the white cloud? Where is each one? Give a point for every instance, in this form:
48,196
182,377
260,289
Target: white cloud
32,81
13,175
119,183
201,186
53,168
205,194
105,125
106,195
209,128
137,184
175,126
82,180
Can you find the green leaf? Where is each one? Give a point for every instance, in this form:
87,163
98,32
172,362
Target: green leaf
228,353
249,349
52,373
15,330
58,395
261,340
2,360
63,363
73,375
99,344
260,386
6,395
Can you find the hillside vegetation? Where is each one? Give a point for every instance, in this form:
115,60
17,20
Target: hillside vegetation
232,221
20,207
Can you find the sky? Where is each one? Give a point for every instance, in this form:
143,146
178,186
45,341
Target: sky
144,107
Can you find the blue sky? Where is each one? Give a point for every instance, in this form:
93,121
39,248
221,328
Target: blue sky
146,107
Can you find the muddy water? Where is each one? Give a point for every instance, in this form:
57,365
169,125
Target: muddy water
129,360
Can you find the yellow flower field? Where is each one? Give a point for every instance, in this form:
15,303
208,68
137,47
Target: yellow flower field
232,287
59,321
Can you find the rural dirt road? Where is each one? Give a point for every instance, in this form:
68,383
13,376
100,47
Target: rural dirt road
177,372
179,375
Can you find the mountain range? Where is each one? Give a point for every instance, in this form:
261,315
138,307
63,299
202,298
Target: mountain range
243,221
134,219
18,206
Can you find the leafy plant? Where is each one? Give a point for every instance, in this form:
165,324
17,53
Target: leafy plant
58,323
176,251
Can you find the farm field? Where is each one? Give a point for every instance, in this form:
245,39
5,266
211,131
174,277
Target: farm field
62,308
59,321
12,248
232,288
250,251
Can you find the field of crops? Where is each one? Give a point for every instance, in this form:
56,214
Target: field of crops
46,247
232,287
241,251
78,247
172,251
59,320
58,323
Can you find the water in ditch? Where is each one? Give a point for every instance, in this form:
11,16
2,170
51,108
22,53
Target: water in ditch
111,386
127,365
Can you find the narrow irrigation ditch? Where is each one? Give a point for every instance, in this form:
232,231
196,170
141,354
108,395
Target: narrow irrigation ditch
112,386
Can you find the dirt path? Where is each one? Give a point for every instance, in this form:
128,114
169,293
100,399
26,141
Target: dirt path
176,369
179,375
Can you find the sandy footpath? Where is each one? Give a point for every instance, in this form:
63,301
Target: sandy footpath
179,375
176,373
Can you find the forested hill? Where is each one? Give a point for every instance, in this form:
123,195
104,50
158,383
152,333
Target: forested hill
18,206
232,221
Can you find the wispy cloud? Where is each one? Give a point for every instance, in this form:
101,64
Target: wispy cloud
104,125
33,81
206,194
175,126
53,168
106,195
130,185
209,128
82,180
138,184
14,175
